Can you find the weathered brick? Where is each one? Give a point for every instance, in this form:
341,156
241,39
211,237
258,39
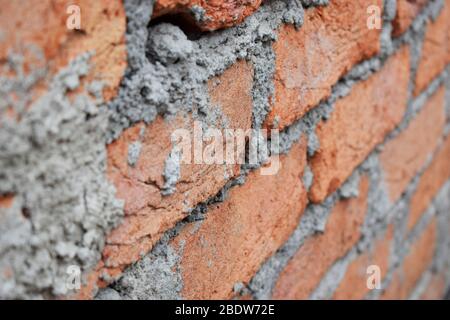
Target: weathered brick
435,50
407,10
242,232
305,270
217,13
359,122
413,266
354,283
148,214
331,40
102,30
430,183
406,154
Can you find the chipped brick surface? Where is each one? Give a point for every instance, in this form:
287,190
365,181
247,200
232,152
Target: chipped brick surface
102,31
208,15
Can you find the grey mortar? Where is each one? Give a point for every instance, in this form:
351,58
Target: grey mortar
166,77
134,149
331,280
108,294
171,172
53,161
168,74
157,275
313,221
312,3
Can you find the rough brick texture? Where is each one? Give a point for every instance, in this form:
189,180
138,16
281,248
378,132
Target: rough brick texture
243,231
148,213
332,40
208,15
91,176
102,31
435,49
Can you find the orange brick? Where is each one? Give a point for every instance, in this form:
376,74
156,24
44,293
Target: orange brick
414,265
407,10
331,40
148,214
232,92
436,288
359,122
430,183
354,283
305,270
404,156
217,13
43,24
242,232
435,50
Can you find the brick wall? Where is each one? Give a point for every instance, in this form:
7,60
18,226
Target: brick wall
348,196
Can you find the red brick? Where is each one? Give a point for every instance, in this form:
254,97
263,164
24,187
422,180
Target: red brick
414,265
407,10
404,156
43,24
305,270
232,92
358,123
312,59
435,50
148,214
242,232
354,283
430,183
218,13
